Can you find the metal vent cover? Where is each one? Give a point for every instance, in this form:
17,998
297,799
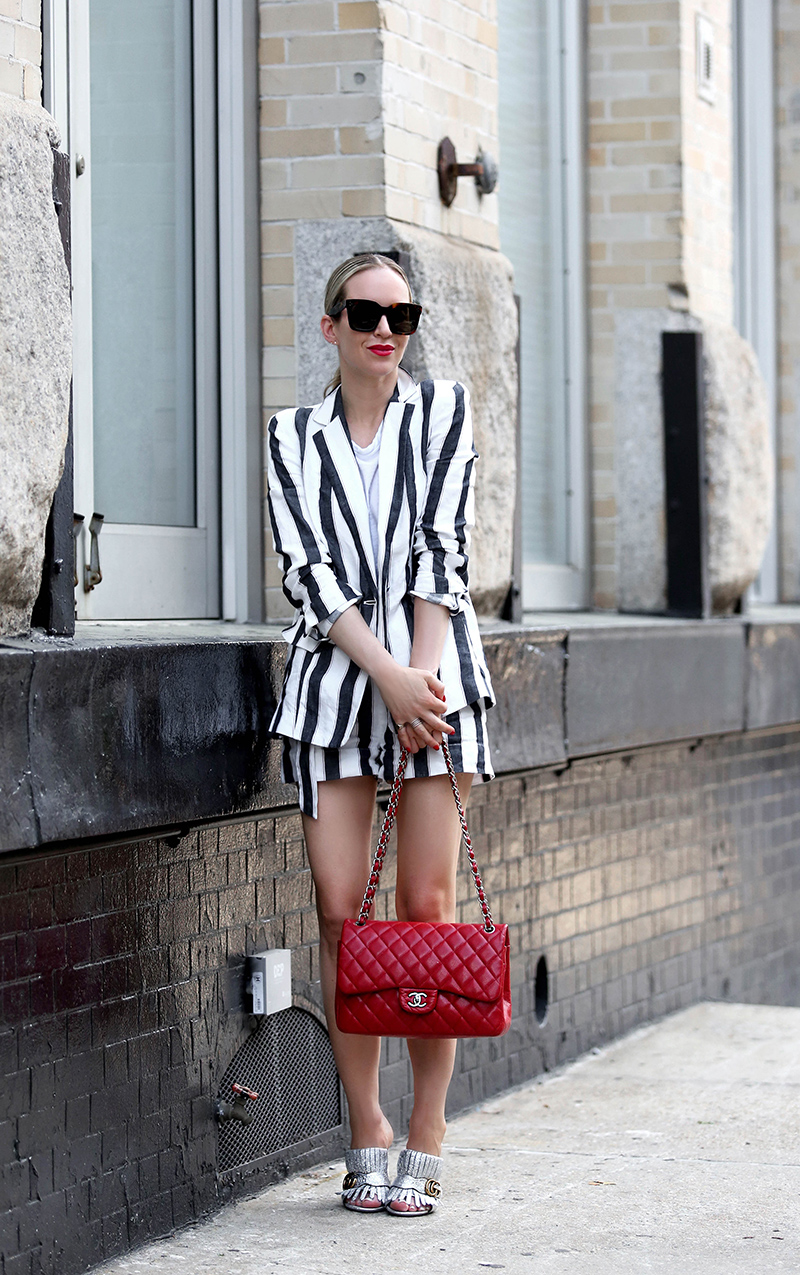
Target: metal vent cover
289,1061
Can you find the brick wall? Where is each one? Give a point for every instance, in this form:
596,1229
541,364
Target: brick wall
439,80
648,880
21,49
787,74
707,167
320,147
659,202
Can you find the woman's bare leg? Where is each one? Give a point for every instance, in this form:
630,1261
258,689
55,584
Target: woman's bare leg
429,838
338,845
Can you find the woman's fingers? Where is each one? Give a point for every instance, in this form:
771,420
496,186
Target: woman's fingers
418,736
434,684
426,734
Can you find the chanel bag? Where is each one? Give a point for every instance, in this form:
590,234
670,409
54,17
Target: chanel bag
422,978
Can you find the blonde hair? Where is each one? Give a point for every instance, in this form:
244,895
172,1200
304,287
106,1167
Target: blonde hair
334,291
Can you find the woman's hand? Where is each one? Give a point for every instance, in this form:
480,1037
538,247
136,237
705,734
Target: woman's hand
410,694
415,695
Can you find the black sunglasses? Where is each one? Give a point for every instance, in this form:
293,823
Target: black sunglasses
364,316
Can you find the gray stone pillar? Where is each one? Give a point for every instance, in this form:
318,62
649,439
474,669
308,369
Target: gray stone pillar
35,353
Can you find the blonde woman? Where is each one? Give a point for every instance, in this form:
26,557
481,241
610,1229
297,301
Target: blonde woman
371,497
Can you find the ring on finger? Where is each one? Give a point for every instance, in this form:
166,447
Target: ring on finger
415,723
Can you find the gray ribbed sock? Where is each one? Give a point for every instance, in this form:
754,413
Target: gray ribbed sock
418,1164
366,1160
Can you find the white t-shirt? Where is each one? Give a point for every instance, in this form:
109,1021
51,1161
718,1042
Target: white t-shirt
367,458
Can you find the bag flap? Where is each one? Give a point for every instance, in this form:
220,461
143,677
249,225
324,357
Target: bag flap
462,959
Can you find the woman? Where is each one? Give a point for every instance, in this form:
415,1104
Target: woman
371,500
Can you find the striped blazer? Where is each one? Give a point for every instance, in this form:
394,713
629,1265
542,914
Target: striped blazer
320,523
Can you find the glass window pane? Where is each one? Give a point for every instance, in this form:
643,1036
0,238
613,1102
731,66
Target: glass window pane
142,261
529,194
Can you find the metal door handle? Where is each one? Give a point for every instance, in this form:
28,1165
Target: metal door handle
77,522
92,575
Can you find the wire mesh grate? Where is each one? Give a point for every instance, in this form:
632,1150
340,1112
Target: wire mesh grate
289,1062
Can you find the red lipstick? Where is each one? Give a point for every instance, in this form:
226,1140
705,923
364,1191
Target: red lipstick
382,350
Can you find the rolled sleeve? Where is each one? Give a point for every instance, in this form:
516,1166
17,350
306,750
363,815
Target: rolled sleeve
325,626
309,579
442,532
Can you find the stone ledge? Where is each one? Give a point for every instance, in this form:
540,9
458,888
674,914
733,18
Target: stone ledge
130,728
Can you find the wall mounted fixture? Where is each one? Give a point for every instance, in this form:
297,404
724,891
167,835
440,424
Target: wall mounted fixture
484,170
240,1107
270,980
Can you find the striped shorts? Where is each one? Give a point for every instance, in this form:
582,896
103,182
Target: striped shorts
373,748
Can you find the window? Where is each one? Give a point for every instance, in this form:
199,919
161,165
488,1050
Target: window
542,232
152,99
754,220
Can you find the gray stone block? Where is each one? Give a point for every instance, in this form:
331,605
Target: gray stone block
35,353
630,687
122,738
739,461
526,728
18,818
773,675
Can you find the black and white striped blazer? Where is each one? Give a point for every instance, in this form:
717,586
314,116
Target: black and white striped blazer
320,523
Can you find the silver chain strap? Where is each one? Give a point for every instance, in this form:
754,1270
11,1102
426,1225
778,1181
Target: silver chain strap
388,824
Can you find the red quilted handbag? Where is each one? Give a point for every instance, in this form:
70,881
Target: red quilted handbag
422,978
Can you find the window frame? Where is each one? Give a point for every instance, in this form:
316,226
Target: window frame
754,220
566,586
227,318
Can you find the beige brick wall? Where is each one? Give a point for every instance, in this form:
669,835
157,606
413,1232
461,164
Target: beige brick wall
787,70
439,80
21,49
707,160
320,147
659,203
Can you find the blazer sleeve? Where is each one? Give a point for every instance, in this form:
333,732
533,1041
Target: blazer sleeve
441,535
309,579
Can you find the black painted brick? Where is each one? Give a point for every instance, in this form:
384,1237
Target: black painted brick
648,880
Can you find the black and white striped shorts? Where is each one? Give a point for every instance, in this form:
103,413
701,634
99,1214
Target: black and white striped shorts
373,748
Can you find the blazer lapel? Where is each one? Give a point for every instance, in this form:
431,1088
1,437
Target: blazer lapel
391,475
387,475
338,460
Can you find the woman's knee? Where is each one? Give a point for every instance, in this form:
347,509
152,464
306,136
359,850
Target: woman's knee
332,914
425,902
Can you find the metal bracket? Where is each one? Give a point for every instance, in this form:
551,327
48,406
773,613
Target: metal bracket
484,170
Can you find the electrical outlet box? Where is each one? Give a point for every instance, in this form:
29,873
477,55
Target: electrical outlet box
270,980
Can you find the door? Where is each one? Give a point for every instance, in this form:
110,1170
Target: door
142,140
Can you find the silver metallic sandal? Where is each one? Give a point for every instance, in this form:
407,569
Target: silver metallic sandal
366,1182
416,1184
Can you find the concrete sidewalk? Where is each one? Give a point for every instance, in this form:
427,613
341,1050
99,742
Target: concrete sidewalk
674,1150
